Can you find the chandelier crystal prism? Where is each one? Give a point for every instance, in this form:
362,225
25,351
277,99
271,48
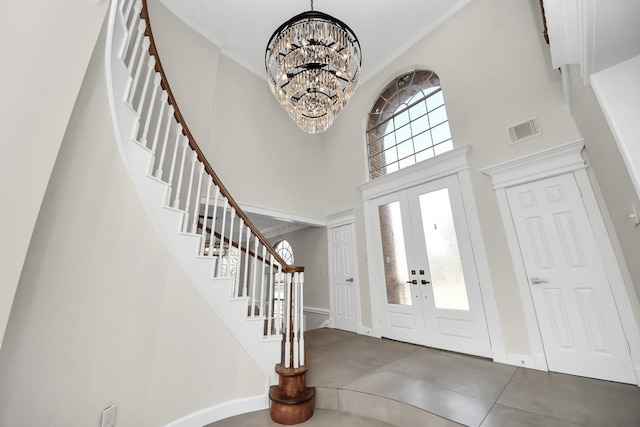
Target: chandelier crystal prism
313,68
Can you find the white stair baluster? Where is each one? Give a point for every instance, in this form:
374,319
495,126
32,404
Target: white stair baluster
149,113
203,240
174,160
294,313
280,320
151,63
287,318
126,7
263,294
245,291
236,279
212,237
229,257
225,206
156,135
165,140
176,202
196,205
136,46
142,55
187,205
131,21
254,275
271,300
301,316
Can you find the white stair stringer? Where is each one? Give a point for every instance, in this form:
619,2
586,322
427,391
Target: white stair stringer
167,221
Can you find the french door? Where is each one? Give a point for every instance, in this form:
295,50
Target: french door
428,285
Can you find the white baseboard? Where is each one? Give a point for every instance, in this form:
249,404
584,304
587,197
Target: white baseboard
222,411
363,330
326,324
515,359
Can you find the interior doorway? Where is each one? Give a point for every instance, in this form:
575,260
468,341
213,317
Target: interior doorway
343,280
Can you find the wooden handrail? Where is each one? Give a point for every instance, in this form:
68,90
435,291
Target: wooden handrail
153,51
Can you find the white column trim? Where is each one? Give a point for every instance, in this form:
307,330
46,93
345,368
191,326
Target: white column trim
555,161
341,218
445,164
482,266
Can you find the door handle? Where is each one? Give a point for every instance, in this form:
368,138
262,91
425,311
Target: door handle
537,280
424,282
349,280
413,282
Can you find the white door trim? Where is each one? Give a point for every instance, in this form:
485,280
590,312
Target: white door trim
453,162
556,161
340,219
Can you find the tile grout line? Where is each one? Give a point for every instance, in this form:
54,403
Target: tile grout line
499,396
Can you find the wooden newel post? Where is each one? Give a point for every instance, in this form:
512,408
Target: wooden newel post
291,399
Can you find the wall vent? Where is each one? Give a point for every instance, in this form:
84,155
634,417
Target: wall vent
526,130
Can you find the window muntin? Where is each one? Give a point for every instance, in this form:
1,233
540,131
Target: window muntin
284,249
407,124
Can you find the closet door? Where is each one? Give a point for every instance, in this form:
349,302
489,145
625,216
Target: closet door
575,309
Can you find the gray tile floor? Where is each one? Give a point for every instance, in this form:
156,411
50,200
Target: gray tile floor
364,381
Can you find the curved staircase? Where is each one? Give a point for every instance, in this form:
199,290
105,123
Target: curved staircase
229,262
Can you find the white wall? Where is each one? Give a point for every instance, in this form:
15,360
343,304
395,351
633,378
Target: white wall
618,91
495,71
45,48
103,313
617,193
191,65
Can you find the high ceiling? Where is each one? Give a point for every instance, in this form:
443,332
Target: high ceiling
596,36
385,29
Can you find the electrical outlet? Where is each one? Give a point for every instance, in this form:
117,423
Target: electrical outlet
109,416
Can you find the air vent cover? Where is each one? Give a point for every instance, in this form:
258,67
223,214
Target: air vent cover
526,130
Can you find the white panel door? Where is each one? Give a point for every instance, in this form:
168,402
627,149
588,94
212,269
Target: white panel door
344,303
429,287
577,315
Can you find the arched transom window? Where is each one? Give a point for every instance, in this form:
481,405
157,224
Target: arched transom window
407,124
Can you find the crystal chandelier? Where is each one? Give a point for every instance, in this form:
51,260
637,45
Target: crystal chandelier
313,67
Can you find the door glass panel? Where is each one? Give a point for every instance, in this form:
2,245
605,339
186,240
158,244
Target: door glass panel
393,254
447,278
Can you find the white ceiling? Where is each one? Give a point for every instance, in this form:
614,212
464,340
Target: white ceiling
385,29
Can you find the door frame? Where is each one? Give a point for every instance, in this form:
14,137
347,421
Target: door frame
561,160
341,219
453,162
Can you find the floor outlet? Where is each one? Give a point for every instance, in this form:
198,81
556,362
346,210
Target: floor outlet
109,416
